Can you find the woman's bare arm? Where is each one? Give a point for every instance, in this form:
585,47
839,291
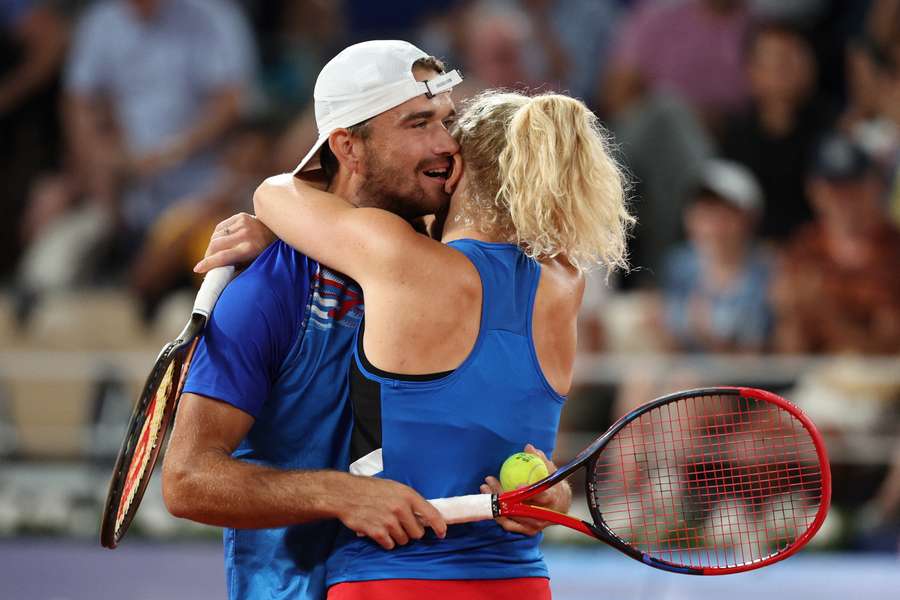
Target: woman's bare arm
364,243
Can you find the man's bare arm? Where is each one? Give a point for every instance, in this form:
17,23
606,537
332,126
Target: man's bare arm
202,482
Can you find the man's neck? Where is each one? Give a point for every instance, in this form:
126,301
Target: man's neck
346,187
350,188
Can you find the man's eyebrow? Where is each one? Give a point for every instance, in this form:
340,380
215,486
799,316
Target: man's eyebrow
422,114
425,114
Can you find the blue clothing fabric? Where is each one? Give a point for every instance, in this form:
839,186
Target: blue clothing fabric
740,314
278,346
158,74
443,436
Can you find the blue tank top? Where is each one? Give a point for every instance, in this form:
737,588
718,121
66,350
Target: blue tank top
442,434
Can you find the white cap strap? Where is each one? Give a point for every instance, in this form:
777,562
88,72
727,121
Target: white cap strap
442,83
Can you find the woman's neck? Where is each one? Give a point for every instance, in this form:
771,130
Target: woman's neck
461,223
467,233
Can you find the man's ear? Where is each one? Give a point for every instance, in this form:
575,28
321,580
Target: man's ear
347,148
455,175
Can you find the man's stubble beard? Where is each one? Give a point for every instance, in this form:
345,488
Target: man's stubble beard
390,189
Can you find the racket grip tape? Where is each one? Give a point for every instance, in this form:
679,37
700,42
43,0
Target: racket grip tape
213,284
466,509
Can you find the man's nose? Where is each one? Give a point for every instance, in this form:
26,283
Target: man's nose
445,144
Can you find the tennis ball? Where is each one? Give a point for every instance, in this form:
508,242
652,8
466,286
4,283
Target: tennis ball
521,469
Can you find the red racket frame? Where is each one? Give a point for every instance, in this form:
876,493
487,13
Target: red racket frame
122,479
510,504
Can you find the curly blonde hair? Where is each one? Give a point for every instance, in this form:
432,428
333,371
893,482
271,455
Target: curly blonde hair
541,175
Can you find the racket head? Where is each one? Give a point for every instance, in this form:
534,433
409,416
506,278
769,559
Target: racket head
709,481
147,429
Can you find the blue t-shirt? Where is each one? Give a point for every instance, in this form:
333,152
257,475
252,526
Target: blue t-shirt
278,346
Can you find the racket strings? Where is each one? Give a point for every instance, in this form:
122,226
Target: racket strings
709,481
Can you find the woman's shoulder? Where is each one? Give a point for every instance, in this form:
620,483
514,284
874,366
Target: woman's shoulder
562,281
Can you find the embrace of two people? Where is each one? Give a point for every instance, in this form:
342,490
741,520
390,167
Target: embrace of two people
313,434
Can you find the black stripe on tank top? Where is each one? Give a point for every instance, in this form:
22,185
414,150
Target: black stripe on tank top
365,398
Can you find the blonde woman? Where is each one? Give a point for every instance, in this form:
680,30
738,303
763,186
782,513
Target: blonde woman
468,344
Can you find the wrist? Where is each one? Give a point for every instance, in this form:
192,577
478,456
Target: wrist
322,493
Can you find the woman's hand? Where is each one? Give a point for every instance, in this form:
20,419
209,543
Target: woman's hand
236,241
557,498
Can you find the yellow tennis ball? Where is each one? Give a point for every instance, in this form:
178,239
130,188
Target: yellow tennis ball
521,469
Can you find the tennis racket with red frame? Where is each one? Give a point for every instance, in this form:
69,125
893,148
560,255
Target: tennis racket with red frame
703,482
153,415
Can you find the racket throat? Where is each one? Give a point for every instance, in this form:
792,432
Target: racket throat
192,329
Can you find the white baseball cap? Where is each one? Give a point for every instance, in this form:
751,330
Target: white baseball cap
365,80
732,182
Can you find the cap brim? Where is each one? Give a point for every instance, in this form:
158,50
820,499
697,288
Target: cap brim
311,162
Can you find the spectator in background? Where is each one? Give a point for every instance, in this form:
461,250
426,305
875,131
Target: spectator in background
692,48
580,34
151,88
173,73
715,287
838,286
777,135
494,39
883,21
178,239
675,68
714,296
872,117
664,147
864,120
33,38
296,39
890,87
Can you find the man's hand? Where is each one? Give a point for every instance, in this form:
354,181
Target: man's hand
236,241
557,498
388,512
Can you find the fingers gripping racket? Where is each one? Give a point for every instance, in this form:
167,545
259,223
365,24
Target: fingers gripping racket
153,415
703,482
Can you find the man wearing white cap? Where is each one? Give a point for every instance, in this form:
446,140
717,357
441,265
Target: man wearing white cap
263,427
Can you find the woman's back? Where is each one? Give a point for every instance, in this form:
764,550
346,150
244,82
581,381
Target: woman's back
444,431
429,322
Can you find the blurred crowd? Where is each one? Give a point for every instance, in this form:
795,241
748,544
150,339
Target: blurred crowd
762,140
